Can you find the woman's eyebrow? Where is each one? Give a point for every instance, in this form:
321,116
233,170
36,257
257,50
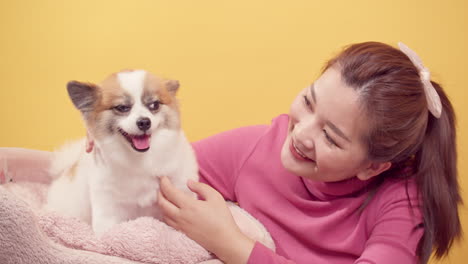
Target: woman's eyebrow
337,130
312,92
330,124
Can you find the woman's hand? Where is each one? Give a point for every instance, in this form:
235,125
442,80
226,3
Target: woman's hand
207,221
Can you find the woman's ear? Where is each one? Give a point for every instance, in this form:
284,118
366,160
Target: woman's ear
373,169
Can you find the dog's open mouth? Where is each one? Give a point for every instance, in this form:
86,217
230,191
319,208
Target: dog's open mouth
139,143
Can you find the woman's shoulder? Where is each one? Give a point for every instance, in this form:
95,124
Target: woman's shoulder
249,133
398,195
279,124
400,186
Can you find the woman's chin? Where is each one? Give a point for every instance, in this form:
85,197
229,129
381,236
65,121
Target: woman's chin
295,166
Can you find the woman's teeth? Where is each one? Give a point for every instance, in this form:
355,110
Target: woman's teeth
299,152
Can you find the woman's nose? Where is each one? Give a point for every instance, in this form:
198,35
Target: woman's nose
305,135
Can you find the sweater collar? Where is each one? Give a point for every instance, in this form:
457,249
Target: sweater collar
331,190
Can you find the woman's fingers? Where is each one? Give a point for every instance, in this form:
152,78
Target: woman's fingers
203,190
172,194
167,207
171,223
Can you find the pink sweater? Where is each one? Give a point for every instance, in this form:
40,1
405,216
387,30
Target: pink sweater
311,222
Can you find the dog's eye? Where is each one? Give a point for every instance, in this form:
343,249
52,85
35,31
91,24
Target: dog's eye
154,106
122,108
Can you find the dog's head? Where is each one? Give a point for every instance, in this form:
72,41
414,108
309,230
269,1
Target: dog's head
129,106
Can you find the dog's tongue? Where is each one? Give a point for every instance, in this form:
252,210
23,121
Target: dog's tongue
141,142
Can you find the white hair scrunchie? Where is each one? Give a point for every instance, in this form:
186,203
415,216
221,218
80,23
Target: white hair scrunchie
433,100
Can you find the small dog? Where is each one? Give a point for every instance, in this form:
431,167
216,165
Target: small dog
133,119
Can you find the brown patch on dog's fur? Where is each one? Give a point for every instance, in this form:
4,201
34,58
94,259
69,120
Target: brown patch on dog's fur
158,86
110,90
166,95
155,85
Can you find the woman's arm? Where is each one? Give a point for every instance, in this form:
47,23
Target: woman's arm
209,222
393,238
220,157
19,164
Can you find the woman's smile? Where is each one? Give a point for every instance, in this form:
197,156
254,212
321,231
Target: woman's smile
298,154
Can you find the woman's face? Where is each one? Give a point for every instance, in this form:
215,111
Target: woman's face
326,128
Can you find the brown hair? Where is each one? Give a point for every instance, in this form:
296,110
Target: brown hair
404,132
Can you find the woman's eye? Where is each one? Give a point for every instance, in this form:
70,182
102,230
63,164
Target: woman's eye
308,104
306,101
154,106
122,108
329,139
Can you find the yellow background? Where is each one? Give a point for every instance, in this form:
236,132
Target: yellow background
238,62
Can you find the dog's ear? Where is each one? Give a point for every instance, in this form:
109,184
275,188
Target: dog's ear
172,86
83,95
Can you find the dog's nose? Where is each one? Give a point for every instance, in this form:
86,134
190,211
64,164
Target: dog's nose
144,123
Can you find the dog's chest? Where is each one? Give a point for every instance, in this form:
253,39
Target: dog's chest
141,191
127,187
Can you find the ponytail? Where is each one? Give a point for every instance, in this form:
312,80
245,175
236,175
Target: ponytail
436,176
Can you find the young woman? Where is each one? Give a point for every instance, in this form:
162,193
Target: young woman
362,170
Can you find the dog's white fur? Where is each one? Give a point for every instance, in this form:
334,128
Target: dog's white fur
115,182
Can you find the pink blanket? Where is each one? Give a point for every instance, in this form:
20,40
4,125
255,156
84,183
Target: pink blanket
28,233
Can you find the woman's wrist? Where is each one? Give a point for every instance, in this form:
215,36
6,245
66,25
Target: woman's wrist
236,251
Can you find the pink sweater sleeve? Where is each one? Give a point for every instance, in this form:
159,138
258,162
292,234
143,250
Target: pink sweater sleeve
261,254
221,156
